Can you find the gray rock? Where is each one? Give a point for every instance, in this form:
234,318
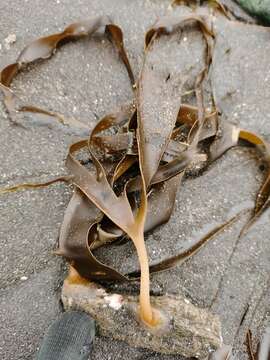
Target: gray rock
186,329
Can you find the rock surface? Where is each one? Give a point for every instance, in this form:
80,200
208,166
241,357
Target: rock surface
187,330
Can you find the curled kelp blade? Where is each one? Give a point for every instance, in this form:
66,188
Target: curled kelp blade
159,211
117,123
161,198
75,219
157,103
117,208
126,141
169,23
97,188
45,47
227,136
78,232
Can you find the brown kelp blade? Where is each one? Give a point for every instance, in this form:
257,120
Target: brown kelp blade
126,141
99,191
45,47
14,188
157,102
78,232
117,208
160,200
227,136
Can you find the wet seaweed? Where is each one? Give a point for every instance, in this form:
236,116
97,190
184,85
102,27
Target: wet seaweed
137,156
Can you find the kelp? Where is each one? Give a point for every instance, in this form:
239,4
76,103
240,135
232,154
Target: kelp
45,47
66,179
137,156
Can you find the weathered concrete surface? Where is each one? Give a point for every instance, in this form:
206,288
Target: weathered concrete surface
231,277
184,329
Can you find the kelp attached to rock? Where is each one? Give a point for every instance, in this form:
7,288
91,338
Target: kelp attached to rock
136,155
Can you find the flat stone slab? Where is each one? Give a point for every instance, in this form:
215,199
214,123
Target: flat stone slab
190,331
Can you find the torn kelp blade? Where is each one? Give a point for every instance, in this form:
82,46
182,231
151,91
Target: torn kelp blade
45,47
157,103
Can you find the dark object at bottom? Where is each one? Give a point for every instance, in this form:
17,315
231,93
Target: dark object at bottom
69,338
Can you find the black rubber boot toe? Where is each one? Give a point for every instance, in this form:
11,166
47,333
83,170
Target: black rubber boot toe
69,338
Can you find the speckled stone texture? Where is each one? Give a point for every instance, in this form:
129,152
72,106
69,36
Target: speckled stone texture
184,328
